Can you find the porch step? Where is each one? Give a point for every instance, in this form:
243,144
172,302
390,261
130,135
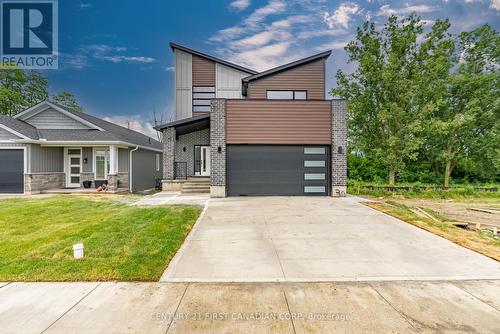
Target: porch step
195,191
196,185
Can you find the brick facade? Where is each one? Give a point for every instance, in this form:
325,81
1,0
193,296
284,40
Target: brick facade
184,147
339,147
168,153
218,148
36,182
123,178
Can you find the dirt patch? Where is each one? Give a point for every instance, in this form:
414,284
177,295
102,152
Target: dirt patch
459,211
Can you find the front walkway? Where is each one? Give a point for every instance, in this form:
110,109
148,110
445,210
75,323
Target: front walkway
313,239
173,198
354,307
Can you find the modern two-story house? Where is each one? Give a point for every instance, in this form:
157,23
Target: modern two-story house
251,133
49,147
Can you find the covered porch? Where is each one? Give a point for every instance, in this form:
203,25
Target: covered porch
186,151
78,168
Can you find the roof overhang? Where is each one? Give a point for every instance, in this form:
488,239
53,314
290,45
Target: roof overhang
187,125
215,59
300,62
79,143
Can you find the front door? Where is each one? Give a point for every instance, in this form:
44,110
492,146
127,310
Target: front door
202,160
73,167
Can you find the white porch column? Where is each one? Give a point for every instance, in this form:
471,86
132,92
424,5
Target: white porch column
113,160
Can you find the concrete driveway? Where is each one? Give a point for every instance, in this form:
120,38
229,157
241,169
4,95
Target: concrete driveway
307,239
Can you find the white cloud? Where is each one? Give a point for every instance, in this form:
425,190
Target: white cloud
102,52
84,5
124,59
170,69
134,123
240,4
272,8
495,4
320,33
341,16
264,57
387,10
337,45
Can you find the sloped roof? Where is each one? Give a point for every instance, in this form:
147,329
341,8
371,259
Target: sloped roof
110,131
18,126
215,59
288,66
118,132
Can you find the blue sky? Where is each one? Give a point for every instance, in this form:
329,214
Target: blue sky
114,54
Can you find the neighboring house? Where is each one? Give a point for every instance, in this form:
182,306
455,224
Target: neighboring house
268,133
50,146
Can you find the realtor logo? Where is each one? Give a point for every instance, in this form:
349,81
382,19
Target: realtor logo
29,33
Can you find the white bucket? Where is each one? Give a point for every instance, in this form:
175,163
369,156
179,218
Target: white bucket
78,251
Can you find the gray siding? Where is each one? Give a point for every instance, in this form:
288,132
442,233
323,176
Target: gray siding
183,84
228,82
89,166
144,170
6,135
53,119
123,160
46,159
188,141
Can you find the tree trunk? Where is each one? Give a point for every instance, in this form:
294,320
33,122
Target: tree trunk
392,177
447,172
447,169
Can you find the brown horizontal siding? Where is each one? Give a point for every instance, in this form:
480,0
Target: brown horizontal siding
309,77
278,122
199,113
203,71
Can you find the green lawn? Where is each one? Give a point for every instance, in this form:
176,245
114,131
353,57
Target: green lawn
122,242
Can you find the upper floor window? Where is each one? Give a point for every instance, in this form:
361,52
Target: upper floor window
286,95
201,98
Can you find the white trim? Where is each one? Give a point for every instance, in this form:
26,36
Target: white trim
130,168
94,167
113,159
61,110
25,162
87,143
157,161
207,161
67,167
6,128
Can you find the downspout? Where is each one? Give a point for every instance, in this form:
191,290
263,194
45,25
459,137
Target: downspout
130,169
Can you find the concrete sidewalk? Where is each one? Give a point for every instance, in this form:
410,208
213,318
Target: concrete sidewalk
345,307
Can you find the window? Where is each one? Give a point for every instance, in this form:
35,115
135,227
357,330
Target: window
314,150
300,95
286,95
314,176
202,96
101,164
314,163
314,189
157,162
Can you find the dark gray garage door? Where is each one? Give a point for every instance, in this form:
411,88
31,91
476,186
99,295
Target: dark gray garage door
277,170
11,171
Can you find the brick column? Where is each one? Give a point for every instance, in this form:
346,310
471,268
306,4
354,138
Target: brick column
168,153
339,147
168,182
218,148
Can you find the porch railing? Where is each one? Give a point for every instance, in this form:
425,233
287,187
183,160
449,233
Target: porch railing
180,170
